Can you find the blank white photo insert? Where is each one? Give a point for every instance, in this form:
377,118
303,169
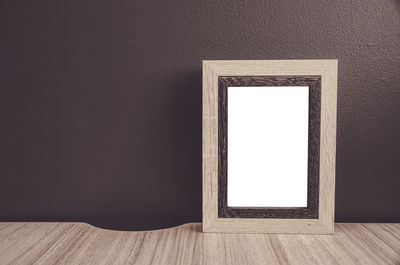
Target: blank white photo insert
267,146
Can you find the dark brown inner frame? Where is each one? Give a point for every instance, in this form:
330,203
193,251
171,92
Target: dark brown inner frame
309,212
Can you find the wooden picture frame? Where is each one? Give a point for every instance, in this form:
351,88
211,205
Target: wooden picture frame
321,78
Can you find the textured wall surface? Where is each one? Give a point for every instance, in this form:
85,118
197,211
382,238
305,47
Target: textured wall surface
100,102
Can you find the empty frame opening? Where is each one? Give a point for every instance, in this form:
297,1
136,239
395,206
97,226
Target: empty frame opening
267,145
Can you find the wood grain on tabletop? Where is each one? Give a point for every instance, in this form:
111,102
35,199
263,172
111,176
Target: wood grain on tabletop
80,243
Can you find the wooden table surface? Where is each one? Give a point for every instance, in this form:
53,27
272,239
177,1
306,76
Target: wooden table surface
80,243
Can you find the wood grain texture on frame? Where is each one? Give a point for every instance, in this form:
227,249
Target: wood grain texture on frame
212,70
311,211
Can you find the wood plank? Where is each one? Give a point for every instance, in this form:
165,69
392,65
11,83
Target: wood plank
80,243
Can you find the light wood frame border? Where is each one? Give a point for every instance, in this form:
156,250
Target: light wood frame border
327,69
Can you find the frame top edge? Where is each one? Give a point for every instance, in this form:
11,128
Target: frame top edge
271,60
270,67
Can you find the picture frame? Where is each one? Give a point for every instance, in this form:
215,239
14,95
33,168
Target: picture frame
320,79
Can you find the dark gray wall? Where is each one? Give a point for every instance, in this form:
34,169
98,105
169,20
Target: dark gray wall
100,102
